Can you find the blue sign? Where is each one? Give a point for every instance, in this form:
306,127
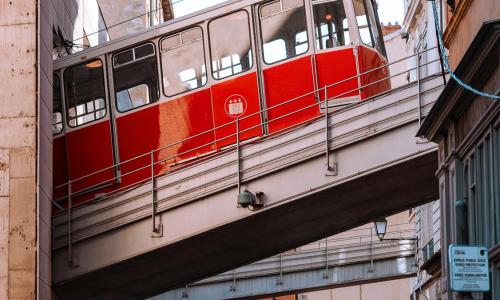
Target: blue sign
469,271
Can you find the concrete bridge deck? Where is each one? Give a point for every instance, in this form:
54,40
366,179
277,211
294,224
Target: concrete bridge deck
381,169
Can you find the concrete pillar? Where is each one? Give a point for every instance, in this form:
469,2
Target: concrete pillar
20,113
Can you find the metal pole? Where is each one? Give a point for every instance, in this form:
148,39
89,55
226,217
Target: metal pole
330,170
326,259
238,153
70,238
371,249
280,281
327,148
419,91
156,228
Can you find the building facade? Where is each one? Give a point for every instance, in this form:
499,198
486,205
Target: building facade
466,127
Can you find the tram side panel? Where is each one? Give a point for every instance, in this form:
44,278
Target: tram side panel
60,173
376,80
290,81
337,69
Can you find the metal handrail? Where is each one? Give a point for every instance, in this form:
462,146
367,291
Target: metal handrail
241,131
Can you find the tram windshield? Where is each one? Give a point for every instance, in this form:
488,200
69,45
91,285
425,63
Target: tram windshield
331,26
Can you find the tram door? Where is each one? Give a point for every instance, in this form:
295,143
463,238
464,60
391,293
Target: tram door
235,93
288,64
88,135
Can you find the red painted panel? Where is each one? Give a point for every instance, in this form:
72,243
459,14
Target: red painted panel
369,60
60,173
165,124
242,92
334,67
285,82
90,150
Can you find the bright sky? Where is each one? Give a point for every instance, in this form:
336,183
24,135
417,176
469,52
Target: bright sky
389,10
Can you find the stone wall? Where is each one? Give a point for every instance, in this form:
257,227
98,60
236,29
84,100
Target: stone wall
18,146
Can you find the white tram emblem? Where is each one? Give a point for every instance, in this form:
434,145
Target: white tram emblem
235,105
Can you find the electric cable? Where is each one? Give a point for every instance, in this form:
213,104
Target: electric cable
126,21
445,59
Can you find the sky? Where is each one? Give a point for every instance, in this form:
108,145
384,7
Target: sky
389,10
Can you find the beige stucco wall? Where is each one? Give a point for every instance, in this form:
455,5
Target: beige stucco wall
478,12
387,290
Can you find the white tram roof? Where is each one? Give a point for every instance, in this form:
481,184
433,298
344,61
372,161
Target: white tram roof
153,32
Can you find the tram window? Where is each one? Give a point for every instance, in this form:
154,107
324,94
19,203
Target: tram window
283,20
230,46
330,22
183,62
135,74
301,44
364,23
57,123
275,50
85,93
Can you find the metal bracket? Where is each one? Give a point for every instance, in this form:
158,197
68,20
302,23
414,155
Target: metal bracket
157,231
332,169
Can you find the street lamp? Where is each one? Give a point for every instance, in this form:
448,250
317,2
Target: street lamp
381,227
381,230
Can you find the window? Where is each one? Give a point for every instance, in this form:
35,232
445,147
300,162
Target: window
135,73
230,46
330,23
368,24
283,28
57,122
85,92
183,62
365,31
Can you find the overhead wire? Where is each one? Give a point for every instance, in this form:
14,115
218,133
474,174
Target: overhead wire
446,63
126,21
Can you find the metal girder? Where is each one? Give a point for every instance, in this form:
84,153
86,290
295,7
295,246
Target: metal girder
305,271
382,169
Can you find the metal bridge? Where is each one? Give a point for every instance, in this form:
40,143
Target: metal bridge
355,163
328,263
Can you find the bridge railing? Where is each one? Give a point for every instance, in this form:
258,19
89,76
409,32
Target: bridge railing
330,252
153,163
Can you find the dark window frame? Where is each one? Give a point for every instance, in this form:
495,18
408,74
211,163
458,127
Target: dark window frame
67,106
161,58
115,67
59,81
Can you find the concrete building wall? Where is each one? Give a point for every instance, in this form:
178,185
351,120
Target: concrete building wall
387,290
18,148
26,32
464,24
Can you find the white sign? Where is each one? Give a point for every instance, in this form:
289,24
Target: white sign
469,270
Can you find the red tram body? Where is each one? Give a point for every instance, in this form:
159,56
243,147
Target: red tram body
179,87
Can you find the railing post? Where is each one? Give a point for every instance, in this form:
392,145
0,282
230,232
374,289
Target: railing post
71,259
371,251
238,154
157,228
330,170
280,280
325,275
419,90
232,287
